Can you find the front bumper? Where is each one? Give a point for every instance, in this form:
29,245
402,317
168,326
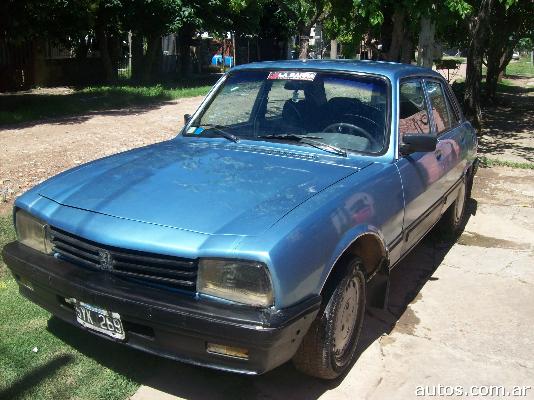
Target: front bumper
163,322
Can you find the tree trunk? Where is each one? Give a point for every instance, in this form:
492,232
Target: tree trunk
153,53
107,64
304,40
407,51
185,39
137,58
233,50
477,31
425,54
39,70
333,49
493,77
397,36
497,60
501,42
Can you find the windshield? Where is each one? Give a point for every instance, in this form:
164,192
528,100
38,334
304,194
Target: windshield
338,110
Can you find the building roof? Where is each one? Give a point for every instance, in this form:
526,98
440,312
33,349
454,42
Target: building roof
390,69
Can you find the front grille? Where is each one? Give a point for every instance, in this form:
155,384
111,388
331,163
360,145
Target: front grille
167,271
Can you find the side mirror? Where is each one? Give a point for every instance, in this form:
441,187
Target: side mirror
187,117
412,143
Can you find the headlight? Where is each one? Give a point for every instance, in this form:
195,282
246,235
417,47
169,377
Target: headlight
245,282
32,232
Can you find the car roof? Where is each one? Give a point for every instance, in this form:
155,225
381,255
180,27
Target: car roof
393,71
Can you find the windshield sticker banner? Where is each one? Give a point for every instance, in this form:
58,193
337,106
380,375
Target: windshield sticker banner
292,75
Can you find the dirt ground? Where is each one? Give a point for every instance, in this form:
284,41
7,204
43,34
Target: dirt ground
508,127
508,131
32,152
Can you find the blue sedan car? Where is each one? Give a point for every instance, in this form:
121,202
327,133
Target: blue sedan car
263,230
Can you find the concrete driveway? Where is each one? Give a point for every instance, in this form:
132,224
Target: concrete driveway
461,318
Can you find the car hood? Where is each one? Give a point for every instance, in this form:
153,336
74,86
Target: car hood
202,185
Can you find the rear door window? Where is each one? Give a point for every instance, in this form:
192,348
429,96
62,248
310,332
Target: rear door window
442,112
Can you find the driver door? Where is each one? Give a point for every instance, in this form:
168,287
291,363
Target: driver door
422,173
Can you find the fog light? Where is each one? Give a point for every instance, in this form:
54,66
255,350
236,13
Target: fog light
228,351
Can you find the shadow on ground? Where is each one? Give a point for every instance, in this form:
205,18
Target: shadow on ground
191,382
26,109
509,122
72,110
35,377
123,110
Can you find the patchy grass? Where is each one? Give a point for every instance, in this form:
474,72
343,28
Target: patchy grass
7,234
455,58
508,86
522,67
25,107
68,363
486,162
511,86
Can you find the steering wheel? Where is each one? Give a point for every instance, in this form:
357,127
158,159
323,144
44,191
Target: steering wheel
351,129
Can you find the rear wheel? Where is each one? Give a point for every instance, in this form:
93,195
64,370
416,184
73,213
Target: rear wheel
452,222
329,346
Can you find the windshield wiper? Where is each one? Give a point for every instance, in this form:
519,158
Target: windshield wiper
288,136
309,141
217,129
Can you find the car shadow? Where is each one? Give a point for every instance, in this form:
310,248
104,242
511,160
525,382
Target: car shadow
85,115
191,382
35,377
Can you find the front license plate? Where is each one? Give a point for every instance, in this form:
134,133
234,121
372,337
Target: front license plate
97,319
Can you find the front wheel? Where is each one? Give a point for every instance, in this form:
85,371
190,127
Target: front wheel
329,346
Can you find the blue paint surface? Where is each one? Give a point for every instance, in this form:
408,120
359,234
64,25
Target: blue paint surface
293,207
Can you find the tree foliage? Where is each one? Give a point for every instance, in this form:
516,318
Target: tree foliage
510,21
389,29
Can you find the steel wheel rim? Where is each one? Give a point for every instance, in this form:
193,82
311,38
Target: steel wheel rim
345,319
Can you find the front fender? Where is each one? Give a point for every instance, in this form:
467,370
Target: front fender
347,241
302,248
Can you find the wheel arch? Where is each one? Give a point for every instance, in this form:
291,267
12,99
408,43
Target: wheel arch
369,245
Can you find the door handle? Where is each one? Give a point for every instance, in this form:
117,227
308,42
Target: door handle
438,154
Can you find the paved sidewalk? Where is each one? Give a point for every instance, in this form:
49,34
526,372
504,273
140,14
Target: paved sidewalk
459,316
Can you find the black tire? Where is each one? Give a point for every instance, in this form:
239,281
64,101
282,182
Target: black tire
454,219
328,347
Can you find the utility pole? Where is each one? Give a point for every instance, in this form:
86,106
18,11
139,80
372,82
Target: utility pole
130,53
223,64
233,49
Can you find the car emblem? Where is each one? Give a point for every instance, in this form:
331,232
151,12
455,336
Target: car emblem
106,261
